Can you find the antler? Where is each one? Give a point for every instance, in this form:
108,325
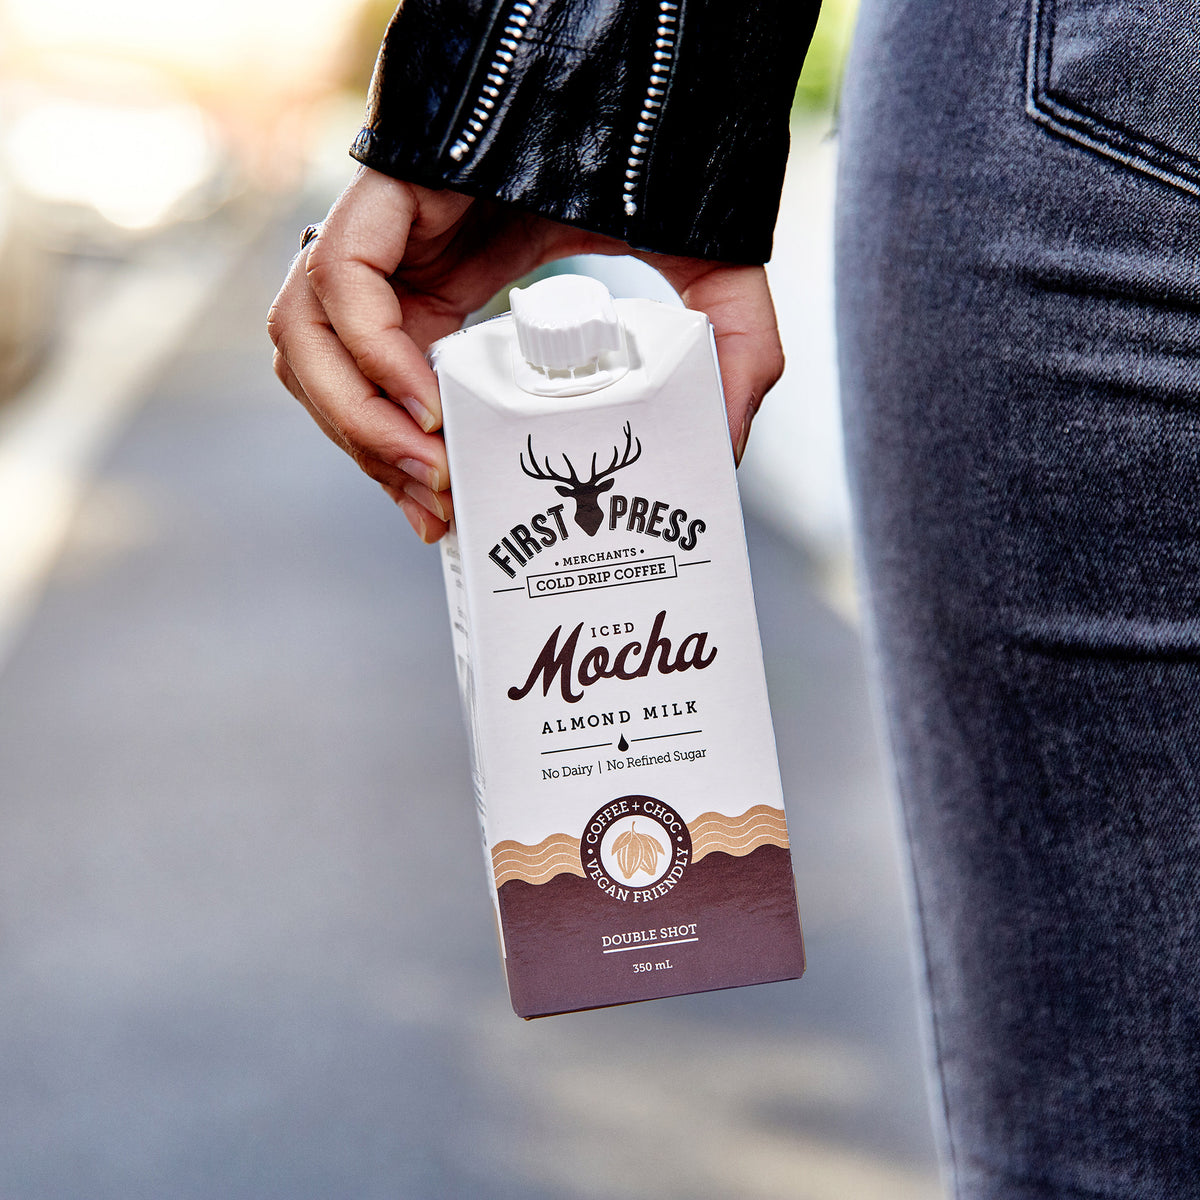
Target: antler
549,473
625,460
619,460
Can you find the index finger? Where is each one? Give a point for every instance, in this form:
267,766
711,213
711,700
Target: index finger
361,244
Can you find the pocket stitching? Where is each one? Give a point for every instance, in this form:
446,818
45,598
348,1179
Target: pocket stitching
1102,136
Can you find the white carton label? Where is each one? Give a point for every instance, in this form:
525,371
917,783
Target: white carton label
609,653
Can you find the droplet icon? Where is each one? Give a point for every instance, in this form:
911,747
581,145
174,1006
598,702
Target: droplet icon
622,744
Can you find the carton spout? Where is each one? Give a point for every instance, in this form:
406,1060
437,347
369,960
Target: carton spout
569,339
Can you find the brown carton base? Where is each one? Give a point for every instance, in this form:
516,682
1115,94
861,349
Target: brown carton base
746,930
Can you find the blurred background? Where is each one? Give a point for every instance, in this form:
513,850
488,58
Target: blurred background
242,950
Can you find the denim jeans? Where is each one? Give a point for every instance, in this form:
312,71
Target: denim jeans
1019,323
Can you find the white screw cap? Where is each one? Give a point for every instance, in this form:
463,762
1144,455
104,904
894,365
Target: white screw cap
565,322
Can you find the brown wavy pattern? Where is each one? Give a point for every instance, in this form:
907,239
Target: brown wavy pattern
556,855
761,825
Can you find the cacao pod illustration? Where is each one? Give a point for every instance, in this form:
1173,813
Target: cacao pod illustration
637,852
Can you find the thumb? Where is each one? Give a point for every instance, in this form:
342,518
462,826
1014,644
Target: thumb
738,303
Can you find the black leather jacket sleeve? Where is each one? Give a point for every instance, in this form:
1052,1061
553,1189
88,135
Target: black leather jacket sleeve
663,123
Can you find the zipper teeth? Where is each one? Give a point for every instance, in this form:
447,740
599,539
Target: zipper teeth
664,59
495,81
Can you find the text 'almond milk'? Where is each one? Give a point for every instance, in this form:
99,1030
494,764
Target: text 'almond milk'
608,655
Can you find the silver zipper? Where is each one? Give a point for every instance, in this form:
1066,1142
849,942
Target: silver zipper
497,78
495,81
664,59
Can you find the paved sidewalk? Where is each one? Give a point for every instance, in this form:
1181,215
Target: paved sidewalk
246,948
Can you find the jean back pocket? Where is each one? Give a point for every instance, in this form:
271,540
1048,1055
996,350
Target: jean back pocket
1121,78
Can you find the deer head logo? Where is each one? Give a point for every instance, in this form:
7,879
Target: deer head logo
584,491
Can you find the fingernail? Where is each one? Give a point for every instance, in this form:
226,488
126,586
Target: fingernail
740,448
431,477
420,413
429,498
416,516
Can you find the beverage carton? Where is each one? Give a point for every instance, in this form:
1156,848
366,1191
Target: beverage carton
608,655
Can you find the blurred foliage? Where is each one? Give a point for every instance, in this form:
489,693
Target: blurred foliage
370,22
821,78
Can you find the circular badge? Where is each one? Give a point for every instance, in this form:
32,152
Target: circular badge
635,849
